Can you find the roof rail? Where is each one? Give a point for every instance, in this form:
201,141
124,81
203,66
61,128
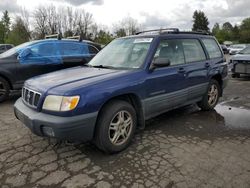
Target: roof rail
160,31
58,36
200,32
79,37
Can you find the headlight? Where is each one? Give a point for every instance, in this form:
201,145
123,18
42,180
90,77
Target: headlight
60,103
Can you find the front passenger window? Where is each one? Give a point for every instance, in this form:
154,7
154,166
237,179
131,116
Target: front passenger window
171,50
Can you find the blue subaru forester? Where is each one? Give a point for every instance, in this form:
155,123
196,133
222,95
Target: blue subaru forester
131,80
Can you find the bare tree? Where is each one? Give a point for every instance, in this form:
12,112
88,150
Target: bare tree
52,18
40,18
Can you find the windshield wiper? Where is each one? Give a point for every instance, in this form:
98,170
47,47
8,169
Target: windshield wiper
103,66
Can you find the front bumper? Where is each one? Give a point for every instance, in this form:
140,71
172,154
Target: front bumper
241,68
76,128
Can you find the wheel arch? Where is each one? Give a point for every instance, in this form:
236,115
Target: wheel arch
218,78
135,101
7,79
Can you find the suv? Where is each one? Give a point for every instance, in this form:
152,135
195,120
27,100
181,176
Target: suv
131,80
5,47
39,57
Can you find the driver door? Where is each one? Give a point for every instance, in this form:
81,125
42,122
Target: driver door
43,58
166,87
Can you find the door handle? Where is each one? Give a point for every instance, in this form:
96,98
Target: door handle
181,70
207,65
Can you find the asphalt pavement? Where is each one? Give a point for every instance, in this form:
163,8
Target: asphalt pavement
182,148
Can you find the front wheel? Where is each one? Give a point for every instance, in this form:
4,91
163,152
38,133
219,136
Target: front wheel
4,89
115,126
210,99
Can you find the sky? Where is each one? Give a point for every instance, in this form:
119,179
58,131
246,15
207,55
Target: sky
150,14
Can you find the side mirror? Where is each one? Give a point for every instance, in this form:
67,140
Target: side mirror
24,53
159,62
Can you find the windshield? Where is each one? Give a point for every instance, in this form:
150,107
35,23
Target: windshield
15,50
245,51
123,53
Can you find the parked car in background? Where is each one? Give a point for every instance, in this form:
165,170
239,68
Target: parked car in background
40,57
240,63
236,48
5,47
224,49
131,80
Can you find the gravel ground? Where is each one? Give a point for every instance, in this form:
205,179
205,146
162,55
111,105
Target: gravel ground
182,148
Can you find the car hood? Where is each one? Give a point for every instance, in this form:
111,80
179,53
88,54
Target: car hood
71,79
242,57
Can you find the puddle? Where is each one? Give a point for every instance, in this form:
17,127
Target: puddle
234,117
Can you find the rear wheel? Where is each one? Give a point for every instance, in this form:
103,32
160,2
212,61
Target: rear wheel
115,126
235,75
4,89
210,99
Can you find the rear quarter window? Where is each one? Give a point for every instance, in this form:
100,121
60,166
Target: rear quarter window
212,48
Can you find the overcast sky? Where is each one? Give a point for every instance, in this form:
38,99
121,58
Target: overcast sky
150,14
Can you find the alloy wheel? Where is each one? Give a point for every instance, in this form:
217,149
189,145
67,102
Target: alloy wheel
120,127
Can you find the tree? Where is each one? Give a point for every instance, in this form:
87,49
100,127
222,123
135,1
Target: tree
216,28
103,37
4,27
245,30
227,26
120,32
19,32
40,17
200,21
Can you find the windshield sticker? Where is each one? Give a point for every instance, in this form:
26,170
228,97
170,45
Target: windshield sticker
143,40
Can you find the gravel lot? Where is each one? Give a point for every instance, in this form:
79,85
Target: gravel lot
181,148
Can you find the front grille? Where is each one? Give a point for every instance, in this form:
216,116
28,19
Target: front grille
30,97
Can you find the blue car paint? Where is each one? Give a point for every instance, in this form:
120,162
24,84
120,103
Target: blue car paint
181,84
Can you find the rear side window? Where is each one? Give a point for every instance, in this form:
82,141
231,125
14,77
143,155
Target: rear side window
212,48
92,49
193,50
74,49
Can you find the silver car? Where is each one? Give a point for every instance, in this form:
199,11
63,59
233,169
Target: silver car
240,63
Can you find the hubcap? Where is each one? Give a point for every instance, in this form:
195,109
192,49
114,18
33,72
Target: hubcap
120,128
2,89
212,95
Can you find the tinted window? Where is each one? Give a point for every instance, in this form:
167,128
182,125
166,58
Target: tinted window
8,47
193,50
44,49
2,47
172,50
92,49
212,48
69,49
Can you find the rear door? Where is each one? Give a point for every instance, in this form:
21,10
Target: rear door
197,68
75,54
166,87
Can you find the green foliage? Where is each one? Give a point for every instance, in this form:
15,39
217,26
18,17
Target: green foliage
237,34
200,21
103,37
120,32
19,33
4,27
245,31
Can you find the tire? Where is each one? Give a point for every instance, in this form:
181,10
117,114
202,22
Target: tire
111,127
211,98
235,75
4,89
